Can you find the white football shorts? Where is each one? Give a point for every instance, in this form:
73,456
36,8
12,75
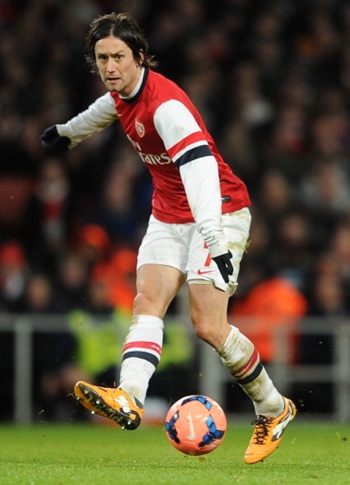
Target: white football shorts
182,247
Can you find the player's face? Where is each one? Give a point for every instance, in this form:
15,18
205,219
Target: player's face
117,66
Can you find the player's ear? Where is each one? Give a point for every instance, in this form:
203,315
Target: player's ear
141,57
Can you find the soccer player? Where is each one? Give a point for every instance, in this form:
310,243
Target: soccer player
197,232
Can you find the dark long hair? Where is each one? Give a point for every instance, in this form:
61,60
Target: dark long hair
124,27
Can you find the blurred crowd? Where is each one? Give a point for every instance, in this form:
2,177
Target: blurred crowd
272,80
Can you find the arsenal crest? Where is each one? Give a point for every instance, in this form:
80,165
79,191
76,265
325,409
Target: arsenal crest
139,128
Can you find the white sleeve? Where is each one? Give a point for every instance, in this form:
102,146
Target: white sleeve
201,181
198,170
95,118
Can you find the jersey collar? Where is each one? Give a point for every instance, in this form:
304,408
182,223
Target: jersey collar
138,88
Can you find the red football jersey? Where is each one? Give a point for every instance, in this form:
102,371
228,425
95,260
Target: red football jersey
138,117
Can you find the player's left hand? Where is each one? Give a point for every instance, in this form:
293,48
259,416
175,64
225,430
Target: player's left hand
224,264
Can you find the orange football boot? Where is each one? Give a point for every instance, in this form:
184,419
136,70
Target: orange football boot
111,403
268,433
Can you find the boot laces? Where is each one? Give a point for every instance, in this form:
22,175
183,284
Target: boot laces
262,426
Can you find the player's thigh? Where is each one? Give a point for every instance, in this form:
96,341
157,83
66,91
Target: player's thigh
156,287
164,244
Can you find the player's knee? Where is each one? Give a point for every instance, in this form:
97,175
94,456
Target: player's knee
205,331
142,301
146,303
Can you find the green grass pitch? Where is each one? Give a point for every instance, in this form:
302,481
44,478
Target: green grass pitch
310,453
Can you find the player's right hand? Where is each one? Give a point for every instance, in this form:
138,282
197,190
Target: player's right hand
51,140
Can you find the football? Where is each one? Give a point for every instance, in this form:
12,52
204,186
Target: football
195,425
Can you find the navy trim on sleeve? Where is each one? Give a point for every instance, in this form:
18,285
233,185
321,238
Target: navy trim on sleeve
197,152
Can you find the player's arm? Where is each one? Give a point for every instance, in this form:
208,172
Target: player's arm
95,118
198,168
